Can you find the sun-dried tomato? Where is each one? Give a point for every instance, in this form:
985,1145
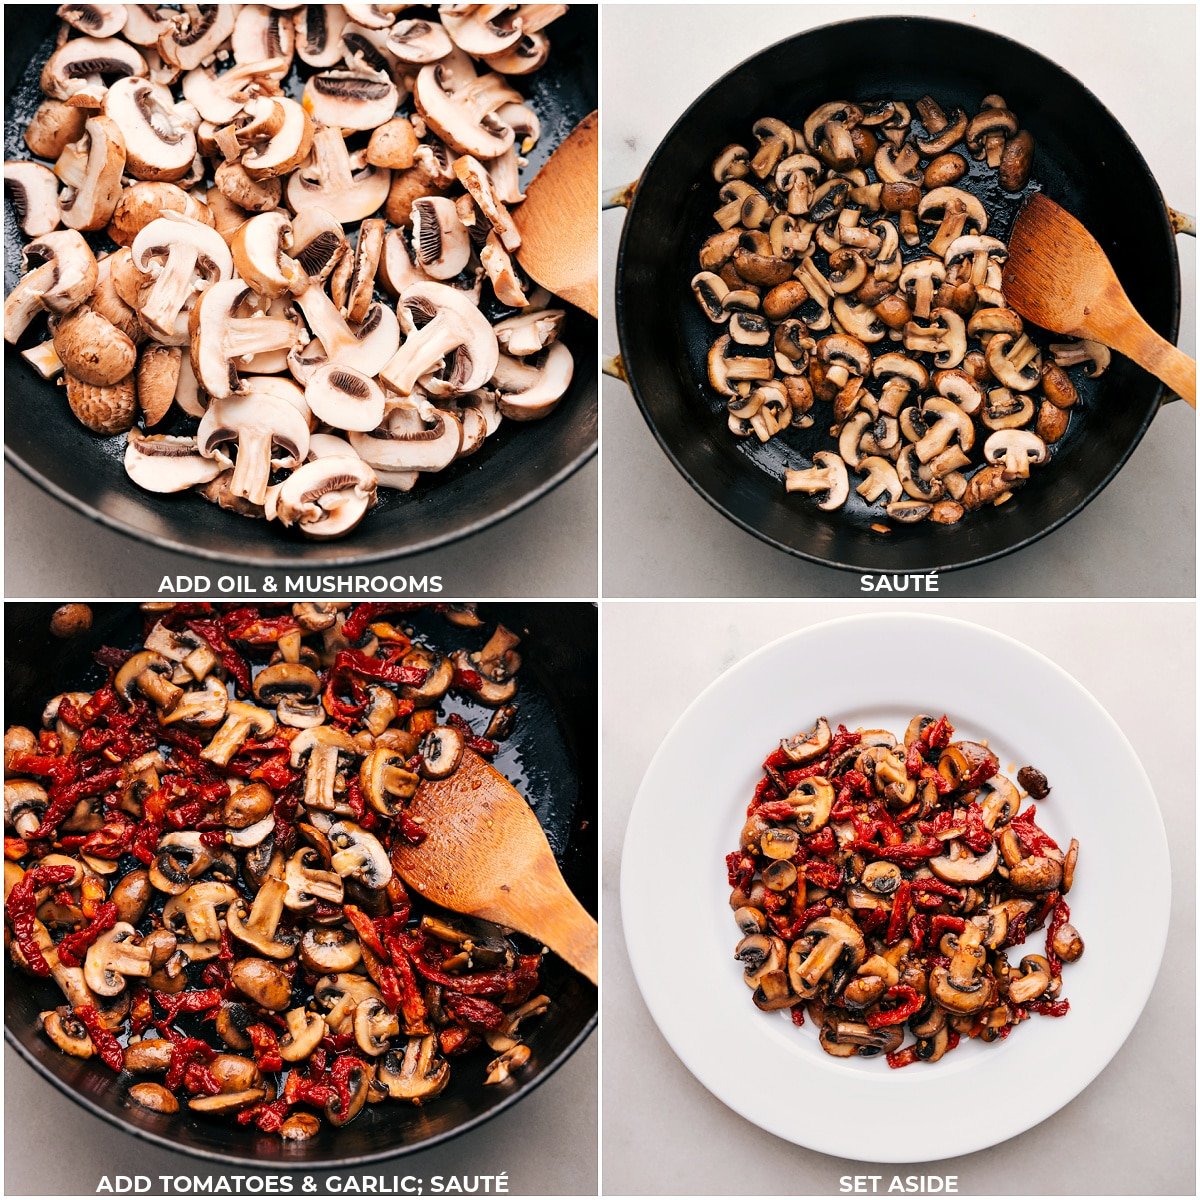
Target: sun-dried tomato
1046,1008
937,734
937,887
355,661
266,1048
267,1117
795,777
899,916
905,855
105,1042
902,1058
464,677
482,746
908,1001
918,930
410,1004
822,843
1034,839
185,1052
364,927
456,1040
942,924
823,874
776,810
112,658
233,662
362,615
73,947
797,1015
175,1003
339,1077
64,797
21,908
257,630
1061,915
843,740
474,1012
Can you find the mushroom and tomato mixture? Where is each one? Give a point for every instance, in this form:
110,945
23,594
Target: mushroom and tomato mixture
237,311
197,854
880,885
854,269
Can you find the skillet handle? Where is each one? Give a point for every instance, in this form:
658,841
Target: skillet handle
621,197
1181,222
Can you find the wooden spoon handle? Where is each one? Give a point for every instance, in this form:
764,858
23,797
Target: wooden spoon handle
1164,361
569,930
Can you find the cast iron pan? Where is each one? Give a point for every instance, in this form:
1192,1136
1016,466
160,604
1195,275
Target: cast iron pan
518,464
1084,160
551,757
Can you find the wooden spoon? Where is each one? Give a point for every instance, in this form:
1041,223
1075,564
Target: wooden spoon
485,855
558,220
1059,277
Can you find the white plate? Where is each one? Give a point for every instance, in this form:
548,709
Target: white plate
877,671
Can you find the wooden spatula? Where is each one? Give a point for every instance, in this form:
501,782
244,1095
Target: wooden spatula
486,855
558,220
1058,276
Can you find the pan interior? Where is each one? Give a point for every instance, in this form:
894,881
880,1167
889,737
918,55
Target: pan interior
520,462
1083,160
550,757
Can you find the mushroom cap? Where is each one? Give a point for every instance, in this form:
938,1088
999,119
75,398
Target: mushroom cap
415,436
359,855
458,105
256,413
166,464
345,398
93,185
259,249
541,395
441,245
419,41
344,184
160,142
450,346
327,496
188,43
33,190
77,66
350,100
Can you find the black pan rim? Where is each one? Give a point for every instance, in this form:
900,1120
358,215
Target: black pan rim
1171,270
312,1164
269,561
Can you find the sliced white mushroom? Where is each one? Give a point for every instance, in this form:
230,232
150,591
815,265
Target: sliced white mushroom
160,463
326,497
345,398
33,191
449,346
530,389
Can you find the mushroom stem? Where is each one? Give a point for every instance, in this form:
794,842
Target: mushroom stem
162,304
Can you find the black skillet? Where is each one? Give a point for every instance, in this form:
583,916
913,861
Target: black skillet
517,465
551,757
1084,160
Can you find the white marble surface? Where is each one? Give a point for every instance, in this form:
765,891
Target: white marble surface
549,549
1132,1132
1136,539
